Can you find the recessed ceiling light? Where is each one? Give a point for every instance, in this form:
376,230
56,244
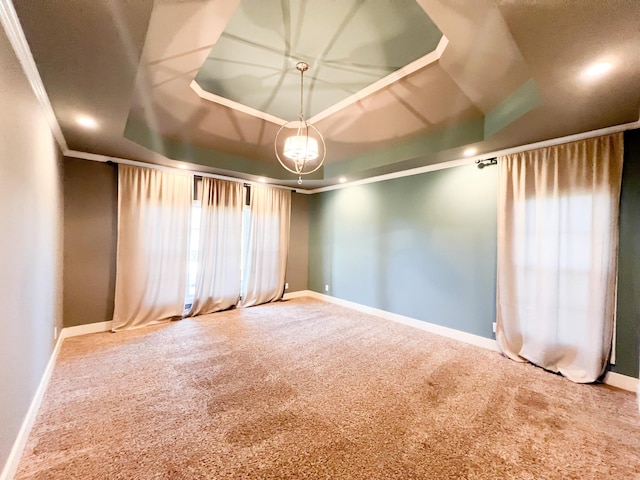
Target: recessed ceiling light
469,152
597,69
342,179
183,166
86,122
262,180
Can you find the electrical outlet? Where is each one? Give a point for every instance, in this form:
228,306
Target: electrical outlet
494,327
286,286
326,288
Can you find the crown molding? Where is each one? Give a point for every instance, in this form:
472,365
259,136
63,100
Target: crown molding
105,158
379,178
15,34
428,59
212,97
393,77
468,160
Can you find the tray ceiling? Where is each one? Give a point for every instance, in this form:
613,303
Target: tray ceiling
393,84
349,45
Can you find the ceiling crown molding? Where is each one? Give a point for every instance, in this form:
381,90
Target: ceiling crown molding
380,178
428,59
470,160
15,34
212,97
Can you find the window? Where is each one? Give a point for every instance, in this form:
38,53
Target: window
194,245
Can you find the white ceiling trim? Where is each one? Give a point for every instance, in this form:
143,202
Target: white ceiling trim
380,178
15,34
105,159
465,161
212,97
393,77
94,157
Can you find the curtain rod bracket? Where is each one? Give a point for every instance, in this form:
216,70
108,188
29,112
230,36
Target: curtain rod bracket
481,163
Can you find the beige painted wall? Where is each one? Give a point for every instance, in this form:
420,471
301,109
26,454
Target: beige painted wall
90,228
90,240
298,259
30,246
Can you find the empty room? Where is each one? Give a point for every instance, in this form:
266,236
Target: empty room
356,239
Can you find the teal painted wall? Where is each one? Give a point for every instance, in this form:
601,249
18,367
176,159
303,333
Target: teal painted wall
425,247
628,312
422,246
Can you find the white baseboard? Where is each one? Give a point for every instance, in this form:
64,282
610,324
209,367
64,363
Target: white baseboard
394,317
85,329
11,466
301,293
621,381
614,379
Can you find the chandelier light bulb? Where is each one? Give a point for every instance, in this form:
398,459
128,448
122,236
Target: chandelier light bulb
301,149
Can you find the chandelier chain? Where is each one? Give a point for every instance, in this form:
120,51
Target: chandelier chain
301,92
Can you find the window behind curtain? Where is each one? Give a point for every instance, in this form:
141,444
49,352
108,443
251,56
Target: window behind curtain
557,254
266,236
183,256
153,226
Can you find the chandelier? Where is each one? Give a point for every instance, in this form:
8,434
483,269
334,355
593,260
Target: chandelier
299,145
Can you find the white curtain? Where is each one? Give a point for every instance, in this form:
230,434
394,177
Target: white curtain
266,245
557,255
153,229
220,247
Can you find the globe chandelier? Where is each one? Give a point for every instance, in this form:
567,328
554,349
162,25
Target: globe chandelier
299,145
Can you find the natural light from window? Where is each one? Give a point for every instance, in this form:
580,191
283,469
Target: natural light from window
194,245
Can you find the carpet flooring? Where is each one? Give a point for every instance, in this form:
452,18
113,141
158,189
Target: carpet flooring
306,389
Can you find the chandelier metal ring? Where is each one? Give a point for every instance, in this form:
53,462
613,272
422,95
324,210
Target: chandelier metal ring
299,146
301,165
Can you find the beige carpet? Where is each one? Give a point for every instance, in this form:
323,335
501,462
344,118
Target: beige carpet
304,389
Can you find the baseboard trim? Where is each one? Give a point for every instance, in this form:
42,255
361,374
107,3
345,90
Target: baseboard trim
613,379
11,466
86,329
465,337
301,293
621,381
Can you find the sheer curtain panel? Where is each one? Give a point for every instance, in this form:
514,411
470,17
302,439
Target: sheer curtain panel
266,244
220,247
557,255
153,229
